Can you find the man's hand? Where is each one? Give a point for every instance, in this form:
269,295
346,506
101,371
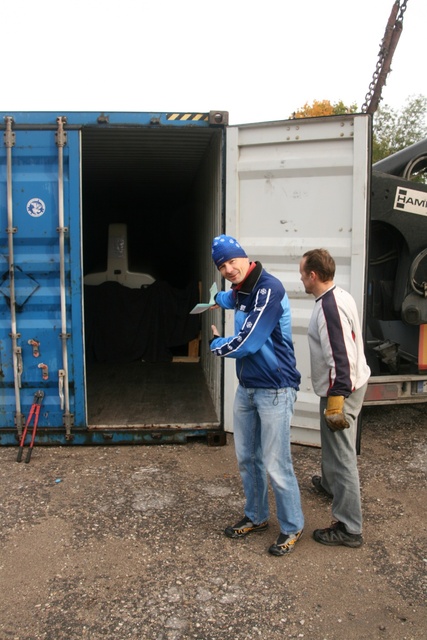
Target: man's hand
334,413
215,333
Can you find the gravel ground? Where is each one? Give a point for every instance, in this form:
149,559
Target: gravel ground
127,542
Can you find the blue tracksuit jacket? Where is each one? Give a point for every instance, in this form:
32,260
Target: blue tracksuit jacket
262,344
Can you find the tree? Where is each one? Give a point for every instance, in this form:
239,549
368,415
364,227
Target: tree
394,130
323,108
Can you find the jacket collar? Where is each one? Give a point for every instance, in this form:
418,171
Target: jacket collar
325,292
251,279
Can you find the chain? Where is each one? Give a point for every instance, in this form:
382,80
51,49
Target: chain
391,36
402,11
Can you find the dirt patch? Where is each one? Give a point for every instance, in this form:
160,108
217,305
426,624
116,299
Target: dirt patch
127,542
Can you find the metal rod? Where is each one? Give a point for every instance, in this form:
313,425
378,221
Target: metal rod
9,141
61,141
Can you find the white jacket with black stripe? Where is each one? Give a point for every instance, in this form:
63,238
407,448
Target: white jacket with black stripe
338,362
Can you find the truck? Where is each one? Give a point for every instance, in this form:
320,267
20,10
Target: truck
396,316
107,221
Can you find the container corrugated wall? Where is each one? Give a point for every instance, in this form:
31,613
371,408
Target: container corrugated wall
299,185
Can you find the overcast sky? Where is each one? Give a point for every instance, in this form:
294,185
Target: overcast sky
258,60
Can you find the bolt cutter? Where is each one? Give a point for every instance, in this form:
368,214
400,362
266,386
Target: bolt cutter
34,411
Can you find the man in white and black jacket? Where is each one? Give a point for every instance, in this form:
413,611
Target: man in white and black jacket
268,382
339,374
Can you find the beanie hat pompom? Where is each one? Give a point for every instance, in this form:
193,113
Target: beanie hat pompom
226,248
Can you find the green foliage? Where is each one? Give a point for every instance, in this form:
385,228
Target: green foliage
394,130
323,108
340,108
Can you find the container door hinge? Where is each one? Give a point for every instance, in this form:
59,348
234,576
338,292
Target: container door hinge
9,136
68,420
61,134
19,423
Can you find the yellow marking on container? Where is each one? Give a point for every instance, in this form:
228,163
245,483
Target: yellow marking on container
187,116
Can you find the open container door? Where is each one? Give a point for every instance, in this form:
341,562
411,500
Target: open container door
293,186
41,343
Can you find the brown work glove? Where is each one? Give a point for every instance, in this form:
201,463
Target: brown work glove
334,413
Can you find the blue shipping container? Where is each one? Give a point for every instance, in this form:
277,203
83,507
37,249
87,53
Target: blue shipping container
90,204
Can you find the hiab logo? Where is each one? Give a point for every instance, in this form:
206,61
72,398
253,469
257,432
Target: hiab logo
411,201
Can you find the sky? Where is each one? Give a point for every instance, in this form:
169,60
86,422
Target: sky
260,61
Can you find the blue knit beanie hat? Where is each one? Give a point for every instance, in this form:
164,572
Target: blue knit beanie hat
226,248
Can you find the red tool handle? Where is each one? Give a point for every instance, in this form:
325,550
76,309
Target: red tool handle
33,437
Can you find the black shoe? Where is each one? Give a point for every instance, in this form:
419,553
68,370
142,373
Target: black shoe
336,535
244,527
285,543
317,484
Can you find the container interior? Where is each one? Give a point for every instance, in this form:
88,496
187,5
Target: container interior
151,202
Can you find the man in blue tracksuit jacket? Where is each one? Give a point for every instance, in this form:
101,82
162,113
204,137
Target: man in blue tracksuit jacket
268,381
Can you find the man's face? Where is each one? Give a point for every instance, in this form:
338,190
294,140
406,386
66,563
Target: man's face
234,270
306,278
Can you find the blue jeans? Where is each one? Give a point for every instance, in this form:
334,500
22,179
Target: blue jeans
262,420
340,475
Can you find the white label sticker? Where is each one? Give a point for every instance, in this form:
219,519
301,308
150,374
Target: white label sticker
36,207
411,201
